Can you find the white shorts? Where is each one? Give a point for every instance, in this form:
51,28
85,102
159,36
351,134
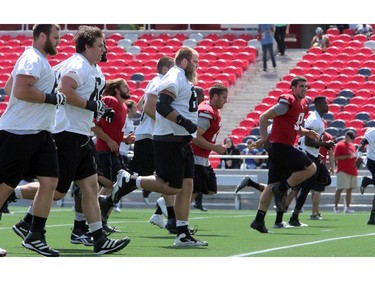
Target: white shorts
346,181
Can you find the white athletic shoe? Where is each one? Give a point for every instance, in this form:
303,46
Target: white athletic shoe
157,220
161,203
3,253
183,240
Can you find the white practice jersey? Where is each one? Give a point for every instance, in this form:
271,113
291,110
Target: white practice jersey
316,123
145,128
28,117
91,84
370,137
185,103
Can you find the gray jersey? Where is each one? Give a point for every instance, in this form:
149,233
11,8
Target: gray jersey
185,103
28,117
91,83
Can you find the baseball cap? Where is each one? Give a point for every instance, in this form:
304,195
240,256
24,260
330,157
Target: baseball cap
318,30
350,134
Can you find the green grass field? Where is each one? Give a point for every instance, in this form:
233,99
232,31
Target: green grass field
227,232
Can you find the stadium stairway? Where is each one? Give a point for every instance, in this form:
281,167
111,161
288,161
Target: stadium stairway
254,84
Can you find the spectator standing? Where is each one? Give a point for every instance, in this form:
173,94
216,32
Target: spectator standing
345,156
266,32
320,39
280,32
29,119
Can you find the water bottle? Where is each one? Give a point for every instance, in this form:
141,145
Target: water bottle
222,164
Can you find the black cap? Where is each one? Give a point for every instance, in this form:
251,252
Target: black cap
350,134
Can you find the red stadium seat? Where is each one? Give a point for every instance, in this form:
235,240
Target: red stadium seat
358,100
351,107
283,85
240,42
240,131
249,123
222,42
365,93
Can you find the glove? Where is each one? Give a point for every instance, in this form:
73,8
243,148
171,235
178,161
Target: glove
56,98
109,114
97,107
187,124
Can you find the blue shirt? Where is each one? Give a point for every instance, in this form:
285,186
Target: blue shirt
267,33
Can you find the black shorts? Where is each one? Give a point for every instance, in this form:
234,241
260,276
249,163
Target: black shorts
174,161
76,158
29,155
284,160
109,163
143,161
204,180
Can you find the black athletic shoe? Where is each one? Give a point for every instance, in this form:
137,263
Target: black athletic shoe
365,182
36,241
296,222
244,182
172,228
81,235
278,196
108,230
260,226
21,229
124,185
372,219
200,207
107,246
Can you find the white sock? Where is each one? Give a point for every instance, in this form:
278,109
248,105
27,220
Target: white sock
18,193
79,216
181,223
95,226
138,182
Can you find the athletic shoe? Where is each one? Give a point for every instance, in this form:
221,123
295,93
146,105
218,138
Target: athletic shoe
296,222
36,241
3,252
108,246
21,229
372,219
348,211
200,207
184,240
117,210
157,220
161,203
282,224
244,182
278,196
336,210
124,185
260,226
82,236
172,228
365,182
316,217
108,230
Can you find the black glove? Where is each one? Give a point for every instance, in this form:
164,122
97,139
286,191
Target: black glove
56,98
109,114
187,124
96,107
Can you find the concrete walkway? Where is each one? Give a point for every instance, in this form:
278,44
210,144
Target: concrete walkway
254,84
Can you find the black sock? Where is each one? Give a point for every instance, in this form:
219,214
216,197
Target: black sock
294,216
253,184
170,211
97,234
109,200
38,224
279,216
260,216
28,218
79,224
